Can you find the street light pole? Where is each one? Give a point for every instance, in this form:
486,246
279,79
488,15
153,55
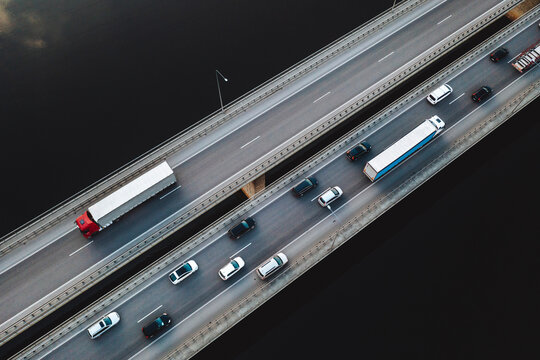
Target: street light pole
393,5
218,88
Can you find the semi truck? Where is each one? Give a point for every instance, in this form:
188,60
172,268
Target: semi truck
403,148
528,58
113,206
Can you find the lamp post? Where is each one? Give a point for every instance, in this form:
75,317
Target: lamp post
393,5
218,88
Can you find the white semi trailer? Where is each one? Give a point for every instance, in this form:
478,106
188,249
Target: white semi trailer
403,148
104,212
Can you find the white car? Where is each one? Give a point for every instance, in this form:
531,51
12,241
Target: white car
330,195
103,325
439,93
231,268
183,271
272,265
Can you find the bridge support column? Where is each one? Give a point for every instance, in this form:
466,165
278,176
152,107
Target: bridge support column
254,187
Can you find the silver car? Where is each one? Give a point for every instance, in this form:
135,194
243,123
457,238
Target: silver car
103,325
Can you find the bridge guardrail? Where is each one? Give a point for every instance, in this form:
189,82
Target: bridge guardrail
319,251
74,288
147,160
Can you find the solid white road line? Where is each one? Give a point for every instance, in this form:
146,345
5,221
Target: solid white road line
230,257
79,249
509,61
243,146
170,192
141,319
384,57
321,97
456,98
443,20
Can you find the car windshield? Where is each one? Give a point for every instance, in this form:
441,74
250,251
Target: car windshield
308,182
235,264
278,260
245,224
173,277
335,192
159,322
184,269
107,321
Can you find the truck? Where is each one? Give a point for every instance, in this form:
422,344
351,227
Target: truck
528,58
403,148
113,206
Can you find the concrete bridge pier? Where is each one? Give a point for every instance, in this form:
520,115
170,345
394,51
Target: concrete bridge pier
254,187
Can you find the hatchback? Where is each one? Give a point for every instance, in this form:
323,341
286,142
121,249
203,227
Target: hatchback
481,94
357,151
243,227
183,271
231,268
330,195
157,325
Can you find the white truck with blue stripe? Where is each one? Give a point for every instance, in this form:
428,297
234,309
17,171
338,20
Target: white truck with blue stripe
403,148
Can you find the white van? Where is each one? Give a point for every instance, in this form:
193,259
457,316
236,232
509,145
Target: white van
439,93
271,265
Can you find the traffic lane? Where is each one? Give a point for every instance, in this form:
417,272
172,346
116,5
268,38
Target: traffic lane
298,111
62,261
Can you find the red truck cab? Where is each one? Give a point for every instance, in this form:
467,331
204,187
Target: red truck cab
87,226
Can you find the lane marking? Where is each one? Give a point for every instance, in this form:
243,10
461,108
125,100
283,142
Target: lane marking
230,257
79,249
38,250
170,192
322,97
243,146
509,61
145,316
456,98
443,20
315,80
384,57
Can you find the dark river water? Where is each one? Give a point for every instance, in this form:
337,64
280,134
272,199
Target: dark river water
451,272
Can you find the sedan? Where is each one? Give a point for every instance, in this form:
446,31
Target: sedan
498,54
231,268
103,325
157,325
183,271
330,195
242,228
481,94
357,151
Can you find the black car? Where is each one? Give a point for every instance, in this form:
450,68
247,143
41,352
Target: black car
242,228
481,94
157,325
358,150
306,185
498,54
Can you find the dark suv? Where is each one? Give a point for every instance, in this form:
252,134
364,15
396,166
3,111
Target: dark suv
481,94
306,185
498,54
242,228
358,150
157,325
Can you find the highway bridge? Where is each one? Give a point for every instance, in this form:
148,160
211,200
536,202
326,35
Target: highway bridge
312,102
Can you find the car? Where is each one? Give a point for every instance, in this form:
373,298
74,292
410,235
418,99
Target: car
185,270
330,195
306,185
271,265
231,268
357,151
439,93
103,325
243,227
481,94
157,325
498,54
